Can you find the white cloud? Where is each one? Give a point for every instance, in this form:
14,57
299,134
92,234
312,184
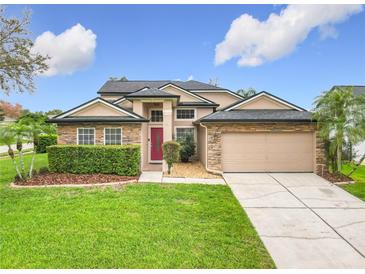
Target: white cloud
70,51
256,42
191,77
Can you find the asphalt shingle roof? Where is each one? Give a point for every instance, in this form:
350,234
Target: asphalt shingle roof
357,90
259,115
151,92
120,87
78,119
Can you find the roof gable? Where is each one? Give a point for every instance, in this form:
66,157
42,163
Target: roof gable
151,93
263,100
185,95
97,109
100,102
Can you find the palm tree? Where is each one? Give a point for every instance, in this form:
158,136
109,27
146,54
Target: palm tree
21,135
245,93
341,117
33,128
8,137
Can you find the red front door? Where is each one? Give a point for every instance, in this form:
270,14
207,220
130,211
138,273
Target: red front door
156,143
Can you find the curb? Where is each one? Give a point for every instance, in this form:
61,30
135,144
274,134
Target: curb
74,185
344,183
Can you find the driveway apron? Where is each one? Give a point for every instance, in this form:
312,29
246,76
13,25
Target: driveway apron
303,220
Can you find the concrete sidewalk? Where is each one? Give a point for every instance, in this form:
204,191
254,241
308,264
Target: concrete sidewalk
157,177
5,148
303,220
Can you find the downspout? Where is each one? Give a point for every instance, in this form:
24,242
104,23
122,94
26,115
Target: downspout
206,152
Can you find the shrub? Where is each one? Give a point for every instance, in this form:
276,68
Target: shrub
187,148
44,141
43,170
171,151
87,159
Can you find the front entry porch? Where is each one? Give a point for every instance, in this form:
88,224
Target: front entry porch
158,130
152,167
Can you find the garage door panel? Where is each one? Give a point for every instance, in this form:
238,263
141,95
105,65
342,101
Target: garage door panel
264,152
249,155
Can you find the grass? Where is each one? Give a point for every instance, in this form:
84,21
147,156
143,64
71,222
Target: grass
358,188
26,150
191,170
136,226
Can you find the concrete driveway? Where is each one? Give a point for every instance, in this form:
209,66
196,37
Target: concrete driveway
303,220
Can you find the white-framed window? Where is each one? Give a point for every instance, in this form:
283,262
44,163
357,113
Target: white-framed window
86,136
113,136
182,132
156,115
185,114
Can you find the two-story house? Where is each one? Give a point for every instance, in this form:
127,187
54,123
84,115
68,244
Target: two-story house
256,134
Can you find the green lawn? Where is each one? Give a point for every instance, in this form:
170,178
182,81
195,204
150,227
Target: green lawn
136,226
358,188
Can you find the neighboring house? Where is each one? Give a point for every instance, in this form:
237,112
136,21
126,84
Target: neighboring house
8,120
257,134
359,148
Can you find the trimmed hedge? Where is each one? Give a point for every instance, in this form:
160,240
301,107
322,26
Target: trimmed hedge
87,159
44,141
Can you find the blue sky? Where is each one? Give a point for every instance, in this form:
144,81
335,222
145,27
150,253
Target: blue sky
177,41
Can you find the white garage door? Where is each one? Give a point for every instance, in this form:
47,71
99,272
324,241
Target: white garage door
267,152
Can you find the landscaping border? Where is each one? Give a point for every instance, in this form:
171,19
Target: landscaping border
13,185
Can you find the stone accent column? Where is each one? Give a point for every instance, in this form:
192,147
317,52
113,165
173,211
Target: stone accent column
321,165
167,126
214,148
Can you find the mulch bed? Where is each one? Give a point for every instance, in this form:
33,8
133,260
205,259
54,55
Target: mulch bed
336,178
74,179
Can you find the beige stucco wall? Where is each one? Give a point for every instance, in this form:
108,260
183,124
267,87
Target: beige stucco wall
67,133
199,112
110,97
202,144
126,104
263,103
222,98
184,97
98,109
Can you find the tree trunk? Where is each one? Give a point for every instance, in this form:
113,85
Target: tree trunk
22,166
339,157
31,165
350,152
11,154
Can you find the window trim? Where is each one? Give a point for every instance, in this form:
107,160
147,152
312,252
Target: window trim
193,127
189,119
150,115
77,135
121,136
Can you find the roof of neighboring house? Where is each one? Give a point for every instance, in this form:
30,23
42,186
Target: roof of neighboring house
125,87
151,92
259,115
357,90
79,119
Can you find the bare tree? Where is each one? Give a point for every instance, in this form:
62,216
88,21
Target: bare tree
18,64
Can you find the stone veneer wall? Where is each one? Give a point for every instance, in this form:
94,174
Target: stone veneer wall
215,131
67,133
